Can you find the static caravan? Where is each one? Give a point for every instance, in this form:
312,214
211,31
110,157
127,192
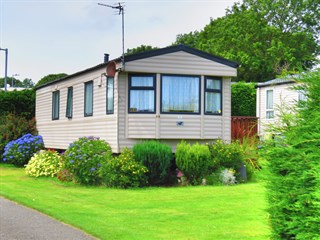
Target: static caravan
167,94
273,96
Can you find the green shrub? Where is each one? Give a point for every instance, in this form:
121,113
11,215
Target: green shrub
157,157
226,155
194,161
293,179
44,163
124,171
13,127
20,151
84,157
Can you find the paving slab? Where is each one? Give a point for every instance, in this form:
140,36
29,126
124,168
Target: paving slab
21,223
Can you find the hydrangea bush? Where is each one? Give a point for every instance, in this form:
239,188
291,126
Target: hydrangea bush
84,157
124,171
44,163
20,151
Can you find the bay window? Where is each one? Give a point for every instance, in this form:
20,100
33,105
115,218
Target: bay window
180,94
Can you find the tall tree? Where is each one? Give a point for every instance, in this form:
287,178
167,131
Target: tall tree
288,15
263,49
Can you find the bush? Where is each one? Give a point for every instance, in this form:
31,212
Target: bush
13,127
20,151
194,161
156,157
44,163
124,171
293,179
84,157
226,155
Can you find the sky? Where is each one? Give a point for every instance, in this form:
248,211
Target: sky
66,36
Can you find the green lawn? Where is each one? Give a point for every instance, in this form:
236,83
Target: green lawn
219,212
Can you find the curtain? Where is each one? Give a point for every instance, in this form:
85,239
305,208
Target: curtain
110,98
180,94
213,102
142,100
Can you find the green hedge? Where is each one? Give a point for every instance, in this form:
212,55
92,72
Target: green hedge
243,99
20,103
293,179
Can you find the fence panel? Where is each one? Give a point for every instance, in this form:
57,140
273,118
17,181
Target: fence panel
243,127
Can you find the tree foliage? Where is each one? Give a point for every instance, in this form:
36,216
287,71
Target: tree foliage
293,180
295,15
243,99
13,82
20,103
140,49
263,48
50,78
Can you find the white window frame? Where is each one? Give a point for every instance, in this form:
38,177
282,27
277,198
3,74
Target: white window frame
269,106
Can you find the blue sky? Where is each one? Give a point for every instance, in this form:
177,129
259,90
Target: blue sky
56,36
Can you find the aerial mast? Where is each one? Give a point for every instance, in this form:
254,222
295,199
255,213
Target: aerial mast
119,7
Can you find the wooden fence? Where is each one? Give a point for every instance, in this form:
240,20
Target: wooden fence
243,127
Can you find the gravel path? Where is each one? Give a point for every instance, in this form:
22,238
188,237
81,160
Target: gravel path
21,223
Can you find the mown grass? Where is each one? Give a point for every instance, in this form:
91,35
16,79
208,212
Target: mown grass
219,212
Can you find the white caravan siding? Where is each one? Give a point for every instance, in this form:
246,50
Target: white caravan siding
283,95
181,63
201,128
60,133
122,129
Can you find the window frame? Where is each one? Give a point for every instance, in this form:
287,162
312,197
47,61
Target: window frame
55,114
180,75
143,88
109,111
69,104
209,90
85,98
269,110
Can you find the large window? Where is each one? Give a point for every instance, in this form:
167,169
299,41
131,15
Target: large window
110,95
88,99
142,93
55,105
213,96
180,94
69,102
269,104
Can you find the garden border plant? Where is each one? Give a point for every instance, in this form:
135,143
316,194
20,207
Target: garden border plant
84,157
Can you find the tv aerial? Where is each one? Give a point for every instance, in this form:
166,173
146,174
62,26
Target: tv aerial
120,8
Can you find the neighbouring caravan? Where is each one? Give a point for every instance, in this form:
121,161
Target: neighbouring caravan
273,97
167,94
